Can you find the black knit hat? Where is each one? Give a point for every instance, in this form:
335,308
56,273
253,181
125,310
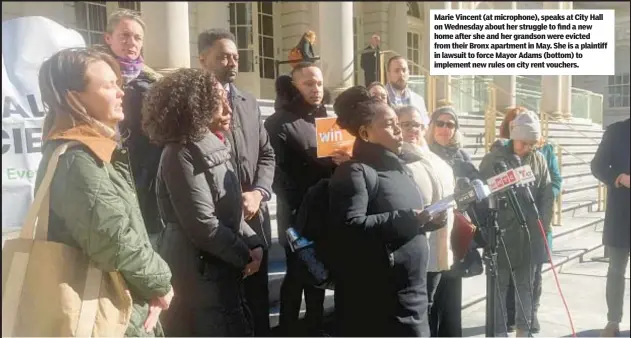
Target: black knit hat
446,110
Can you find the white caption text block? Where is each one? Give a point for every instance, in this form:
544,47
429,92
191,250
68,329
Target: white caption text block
532,42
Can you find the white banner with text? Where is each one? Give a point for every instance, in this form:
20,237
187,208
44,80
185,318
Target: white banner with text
26,43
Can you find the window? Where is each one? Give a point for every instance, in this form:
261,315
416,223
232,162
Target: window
267,64
618,90
91,19
414,53
241,27
131,5
414,10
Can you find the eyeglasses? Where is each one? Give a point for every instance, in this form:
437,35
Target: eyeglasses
448,124
383,97
410,125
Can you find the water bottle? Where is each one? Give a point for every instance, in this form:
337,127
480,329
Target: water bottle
305,250
297,242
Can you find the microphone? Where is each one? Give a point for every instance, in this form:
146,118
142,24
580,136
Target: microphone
475,192
527,191
501,167
462,184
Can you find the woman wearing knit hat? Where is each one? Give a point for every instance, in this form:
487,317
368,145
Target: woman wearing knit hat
547,150
521,249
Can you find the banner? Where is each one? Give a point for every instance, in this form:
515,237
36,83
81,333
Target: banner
26,43
331,138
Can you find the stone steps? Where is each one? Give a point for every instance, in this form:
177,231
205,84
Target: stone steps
577,238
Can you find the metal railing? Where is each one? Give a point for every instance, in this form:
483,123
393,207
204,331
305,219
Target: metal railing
468,94
277,63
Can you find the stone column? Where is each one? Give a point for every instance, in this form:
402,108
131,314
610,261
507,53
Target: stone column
506,93
167,40
552,85
336,51
443,83
397,29
551,96
566,82
212,15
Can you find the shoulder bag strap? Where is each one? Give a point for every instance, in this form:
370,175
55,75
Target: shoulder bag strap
35,224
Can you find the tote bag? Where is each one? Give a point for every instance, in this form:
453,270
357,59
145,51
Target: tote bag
52,289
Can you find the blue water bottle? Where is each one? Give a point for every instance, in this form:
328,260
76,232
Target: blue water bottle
306,252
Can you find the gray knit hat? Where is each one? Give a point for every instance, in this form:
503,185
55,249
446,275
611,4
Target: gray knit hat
525,127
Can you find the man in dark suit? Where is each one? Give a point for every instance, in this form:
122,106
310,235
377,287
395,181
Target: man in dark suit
611,166
252,155
370,60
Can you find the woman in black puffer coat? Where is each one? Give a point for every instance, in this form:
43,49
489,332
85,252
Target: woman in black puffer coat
207,243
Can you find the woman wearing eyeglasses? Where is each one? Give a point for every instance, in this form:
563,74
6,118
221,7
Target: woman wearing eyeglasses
435,180
443,139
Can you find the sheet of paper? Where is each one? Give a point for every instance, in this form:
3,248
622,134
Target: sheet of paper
441,205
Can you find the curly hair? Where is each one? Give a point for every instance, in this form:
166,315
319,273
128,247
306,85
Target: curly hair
180,106
355,108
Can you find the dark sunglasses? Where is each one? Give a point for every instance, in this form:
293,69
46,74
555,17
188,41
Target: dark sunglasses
448,124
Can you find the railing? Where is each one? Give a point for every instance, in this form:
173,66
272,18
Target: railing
468,94
285,62
558,202
478,94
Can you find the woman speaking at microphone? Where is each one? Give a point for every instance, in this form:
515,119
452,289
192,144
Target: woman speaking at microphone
521,250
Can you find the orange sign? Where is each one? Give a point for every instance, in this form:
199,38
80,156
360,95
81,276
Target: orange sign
331,138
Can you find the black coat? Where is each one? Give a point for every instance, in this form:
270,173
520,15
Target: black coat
293,136
206,242
611,160
382,252
370,59
253,154
144,156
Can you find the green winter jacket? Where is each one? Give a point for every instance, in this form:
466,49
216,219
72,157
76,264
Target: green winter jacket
515,238
93,207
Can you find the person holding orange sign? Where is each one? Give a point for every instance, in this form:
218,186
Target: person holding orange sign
292,130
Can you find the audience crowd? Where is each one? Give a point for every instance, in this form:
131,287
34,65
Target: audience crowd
169,178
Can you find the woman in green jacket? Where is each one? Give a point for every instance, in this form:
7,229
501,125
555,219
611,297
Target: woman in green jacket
93,205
